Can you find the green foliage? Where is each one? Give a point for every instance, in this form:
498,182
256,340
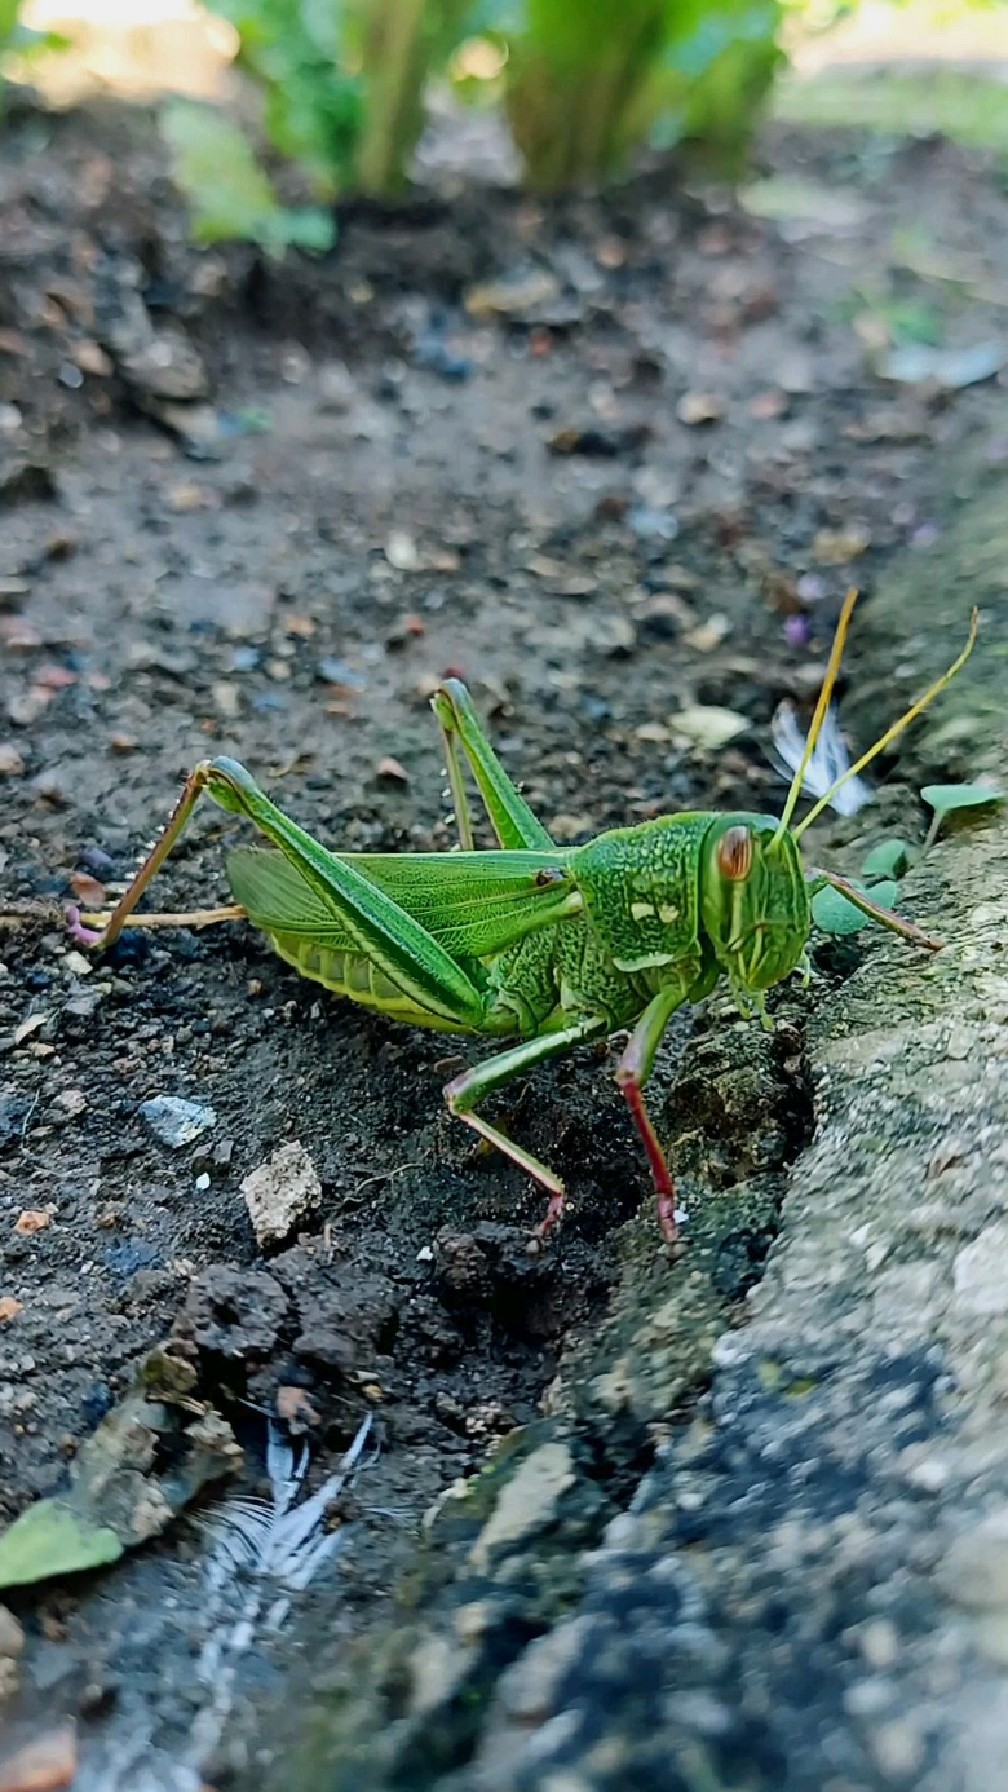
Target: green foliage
964,106
303,55
574,78
16,37
583,85
947,799
403,43
50,1538
587,84
889,859
717,70
832,913
344,80
229,195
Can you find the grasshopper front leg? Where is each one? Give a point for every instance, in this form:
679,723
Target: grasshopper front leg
465,1092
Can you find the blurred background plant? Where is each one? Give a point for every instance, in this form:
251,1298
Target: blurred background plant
16,38
342,90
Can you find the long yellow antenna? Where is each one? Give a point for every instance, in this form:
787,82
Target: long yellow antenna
897,728
821,708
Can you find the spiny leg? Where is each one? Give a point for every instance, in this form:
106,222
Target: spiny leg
817,880
194,785
632,1073
380,930
465,1091
89,929
510,816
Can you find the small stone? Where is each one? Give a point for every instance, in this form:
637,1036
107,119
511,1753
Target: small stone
11,763
990,1634
30,1220
708,726
696,408
9,1309
281,1194
295,1409
981,1286
835,547
879,1643
401,551
11,1634
25,1028
391,771
975,1571
176,1122
566,828
527,1502
709,634
337,389
88,891
898,1748
613,635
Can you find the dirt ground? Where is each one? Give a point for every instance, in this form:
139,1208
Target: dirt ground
612,463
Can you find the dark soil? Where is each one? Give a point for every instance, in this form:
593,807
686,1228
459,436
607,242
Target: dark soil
271,540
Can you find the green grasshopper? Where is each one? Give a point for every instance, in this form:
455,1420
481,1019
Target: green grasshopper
541,947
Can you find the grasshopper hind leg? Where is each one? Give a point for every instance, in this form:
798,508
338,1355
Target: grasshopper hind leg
512,820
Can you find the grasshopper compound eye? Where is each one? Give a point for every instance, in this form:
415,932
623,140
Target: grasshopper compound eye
735,854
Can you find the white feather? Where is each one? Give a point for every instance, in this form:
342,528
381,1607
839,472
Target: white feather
828,763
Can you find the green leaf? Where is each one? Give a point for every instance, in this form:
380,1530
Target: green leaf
946,799
230,196
832,913
51,1539
889,859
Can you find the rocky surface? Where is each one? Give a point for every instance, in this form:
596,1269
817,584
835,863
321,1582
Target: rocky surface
799,1578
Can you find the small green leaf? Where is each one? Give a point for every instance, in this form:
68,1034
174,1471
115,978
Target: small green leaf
51,1539
946,799
230,197
943,798
889,859
832,913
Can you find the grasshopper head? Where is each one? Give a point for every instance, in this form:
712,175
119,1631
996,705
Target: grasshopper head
754,900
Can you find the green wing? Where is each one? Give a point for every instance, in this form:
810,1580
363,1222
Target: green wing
474,904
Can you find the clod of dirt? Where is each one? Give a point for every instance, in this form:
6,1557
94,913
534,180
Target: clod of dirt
281,1194
233,1315
347,1319
176,1122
